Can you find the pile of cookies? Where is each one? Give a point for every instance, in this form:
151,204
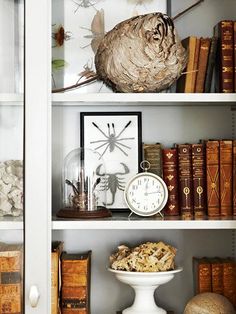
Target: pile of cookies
147,257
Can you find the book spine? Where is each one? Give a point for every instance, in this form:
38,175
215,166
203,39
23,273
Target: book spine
235,56
199,184
185,180
217,277
190,76
211,64
54,283
152,153
170,177
229,280
202,64
225,57
75,291
11,283
203,273
213,184
234,177
226,178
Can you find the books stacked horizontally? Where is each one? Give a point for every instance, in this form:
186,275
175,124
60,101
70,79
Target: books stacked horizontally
201,178
215,275
70,277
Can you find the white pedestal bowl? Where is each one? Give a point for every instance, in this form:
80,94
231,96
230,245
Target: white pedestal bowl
144,285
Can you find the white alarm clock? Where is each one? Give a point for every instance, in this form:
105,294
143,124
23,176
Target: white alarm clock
146,193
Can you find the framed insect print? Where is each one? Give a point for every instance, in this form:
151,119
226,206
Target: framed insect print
116,136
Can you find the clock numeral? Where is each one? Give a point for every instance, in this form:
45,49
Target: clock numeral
139,182
134,187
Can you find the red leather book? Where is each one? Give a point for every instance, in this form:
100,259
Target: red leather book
202,275
170,176
235,56
226,177
229,290
185,180
234,177
199,179
224,30
213,183
202,64
217,275
75,289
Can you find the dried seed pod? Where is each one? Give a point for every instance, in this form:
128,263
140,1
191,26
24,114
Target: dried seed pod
142,54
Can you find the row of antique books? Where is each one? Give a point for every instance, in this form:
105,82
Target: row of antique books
201,178
216,275
211,55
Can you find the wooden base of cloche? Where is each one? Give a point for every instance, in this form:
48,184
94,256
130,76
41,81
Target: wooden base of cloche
102,212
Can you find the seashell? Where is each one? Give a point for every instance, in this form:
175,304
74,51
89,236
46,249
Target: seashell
142,54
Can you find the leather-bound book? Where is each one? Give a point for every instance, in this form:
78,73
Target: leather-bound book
170,176
217,275
185,180
75,290
235,56
57,247
229,290
186,83
224,30
226,171
152,153
11,280
202,64
211,64
199,179
213,181
202,275
234,177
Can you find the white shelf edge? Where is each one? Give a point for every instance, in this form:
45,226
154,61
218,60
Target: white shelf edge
142,224
170,98
10,225
11,98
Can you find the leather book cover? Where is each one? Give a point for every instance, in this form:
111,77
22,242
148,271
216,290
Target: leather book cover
185,180
217,275
202,275
75,290
234,177
229,290
235,56
57,248
152,153
186,82
202,64
211,64
226,172
11,280
213,180
199,179
170,177
224,30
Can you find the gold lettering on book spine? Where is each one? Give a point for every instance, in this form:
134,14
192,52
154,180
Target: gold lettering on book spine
227,69
227,47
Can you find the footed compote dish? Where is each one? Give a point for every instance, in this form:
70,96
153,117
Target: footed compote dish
144,285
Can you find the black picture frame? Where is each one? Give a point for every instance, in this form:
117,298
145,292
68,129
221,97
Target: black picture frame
117,137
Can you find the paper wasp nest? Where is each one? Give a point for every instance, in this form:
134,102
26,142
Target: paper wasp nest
141,54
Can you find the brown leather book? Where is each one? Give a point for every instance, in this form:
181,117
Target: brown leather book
224,30
229,290
152,153
11,280
199,179
185,180
186,82
170,176
57,247
75,290
235,56
202,64
213,182
234,177
202,275
226,177
217,275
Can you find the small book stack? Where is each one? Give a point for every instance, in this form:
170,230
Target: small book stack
215,275
11,283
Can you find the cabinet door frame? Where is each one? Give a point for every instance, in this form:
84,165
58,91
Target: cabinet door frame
37,152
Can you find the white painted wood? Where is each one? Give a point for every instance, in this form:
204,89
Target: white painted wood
11,223
37,153
13,99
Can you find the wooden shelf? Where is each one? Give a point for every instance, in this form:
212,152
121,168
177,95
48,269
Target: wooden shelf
122,221
153,98
11,223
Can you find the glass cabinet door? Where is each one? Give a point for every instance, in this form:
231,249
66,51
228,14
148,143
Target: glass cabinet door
11,156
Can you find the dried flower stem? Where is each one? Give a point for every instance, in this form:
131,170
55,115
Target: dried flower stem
186,10
63,89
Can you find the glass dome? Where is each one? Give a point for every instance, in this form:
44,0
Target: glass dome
83,190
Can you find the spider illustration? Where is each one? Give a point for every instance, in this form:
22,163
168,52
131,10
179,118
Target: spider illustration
111,140
85,4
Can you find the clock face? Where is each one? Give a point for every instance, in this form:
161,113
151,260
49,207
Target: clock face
146,194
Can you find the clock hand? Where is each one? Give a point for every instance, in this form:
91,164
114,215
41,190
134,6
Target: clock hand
154,192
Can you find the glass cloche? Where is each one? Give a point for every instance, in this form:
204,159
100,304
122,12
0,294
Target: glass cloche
84,193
